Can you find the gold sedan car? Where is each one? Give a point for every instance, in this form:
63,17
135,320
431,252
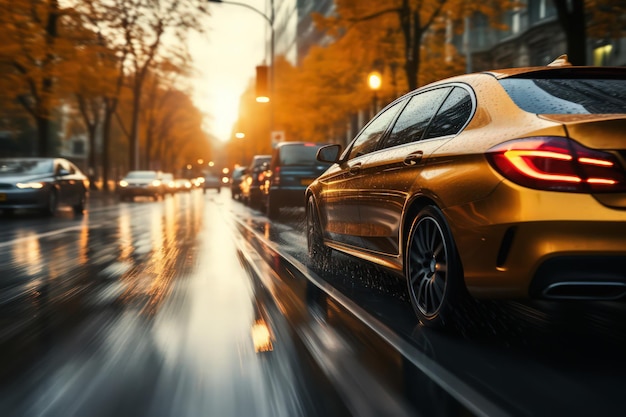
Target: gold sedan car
501,184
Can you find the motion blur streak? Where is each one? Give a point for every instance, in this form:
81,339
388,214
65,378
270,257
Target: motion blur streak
167,331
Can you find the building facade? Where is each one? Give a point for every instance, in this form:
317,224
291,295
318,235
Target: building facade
533,37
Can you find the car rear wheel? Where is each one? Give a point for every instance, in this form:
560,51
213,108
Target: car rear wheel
318,252
79,207
433,269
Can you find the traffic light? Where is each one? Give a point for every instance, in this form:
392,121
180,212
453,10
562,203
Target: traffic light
262,93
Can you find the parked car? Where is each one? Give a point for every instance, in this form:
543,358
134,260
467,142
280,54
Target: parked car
235,182
169,185
503,184
292,169
211,182
252,180
146,183
41,184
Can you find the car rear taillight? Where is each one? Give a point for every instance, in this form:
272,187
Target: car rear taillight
557,164
276,176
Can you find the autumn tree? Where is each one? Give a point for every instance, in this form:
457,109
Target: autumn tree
31,51
138,31
173,132
407,20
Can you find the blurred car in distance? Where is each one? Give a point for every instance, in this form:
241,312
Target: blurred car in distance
211,182
292,169
252,180
500,184
235,182
169,185
141,183
183,184
41,184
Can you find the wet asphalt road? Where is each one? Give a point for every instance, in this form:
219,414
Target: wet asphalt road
138,309
153,308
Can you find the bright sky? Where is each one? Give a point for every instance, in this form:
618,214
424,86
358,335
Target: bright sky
225,58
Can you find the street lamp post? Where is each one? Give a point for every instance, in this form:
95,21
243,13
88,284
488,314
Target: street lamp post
270,20
374,80
241,135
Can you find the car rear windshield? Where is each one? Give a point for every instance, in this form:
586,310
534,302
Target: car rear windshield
568,96
299,154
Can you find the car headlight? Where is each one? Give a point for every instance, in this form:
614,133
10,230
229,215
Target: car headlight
156,183
30,185
123,183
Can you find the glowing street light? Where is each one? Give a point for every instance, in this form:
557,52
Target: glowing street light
375,81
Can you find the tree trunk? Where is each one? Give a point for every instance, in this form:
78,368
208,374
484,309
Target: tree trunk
43,128
106,138
571,14
134,127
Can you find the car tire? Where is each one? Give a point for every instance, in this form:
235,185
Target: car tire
51,204
272,208
433,269
79,207
318,252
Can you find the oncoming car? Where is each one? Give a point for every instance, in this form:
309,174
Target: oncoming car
142,183
500,184
41,184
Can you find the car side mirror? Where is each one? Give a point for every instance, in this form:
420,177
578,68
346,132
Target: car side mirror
329,153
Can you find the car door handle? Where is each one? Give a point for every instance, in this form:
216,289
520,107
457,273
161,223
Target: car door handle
413,158
354,169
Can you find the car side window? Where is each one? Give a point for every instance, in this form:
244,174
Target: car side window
452,115
368,139
415,117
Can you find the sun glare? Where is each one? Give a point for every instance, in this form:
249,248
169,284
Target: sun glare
222,106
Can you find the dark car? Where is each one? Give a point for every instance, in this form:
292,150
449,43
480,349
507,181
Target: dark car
211,182
141,183
235,182
292,169
41,184
501,184
252,180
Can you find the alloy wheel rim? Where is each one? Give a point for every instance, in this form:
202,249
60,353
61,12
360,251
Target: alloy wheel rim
428,266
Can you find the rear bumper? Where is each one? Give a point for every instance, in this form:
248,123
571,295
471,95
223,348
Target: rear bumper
287,196
560,246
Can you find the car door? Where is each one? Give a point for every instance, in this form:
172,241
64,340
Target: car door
340,195
396,172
